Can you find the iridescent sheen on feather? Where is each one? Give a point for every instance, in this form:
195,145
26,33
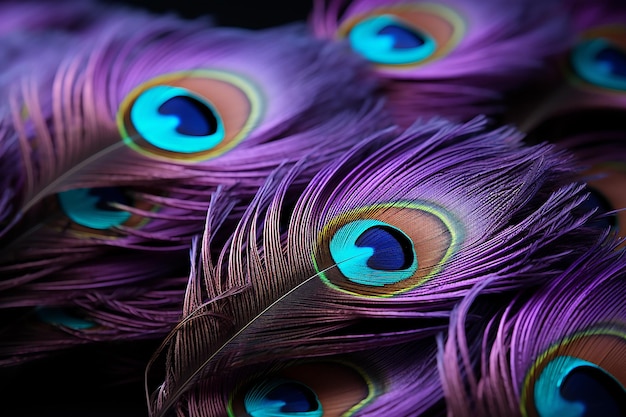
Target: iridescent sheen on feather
451,58
189,116
378,248
557,351
229,81
97,200
368,383
591,76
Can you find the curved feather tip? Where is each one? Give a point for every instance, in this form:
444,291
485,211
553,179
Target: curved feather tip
114,152
557,351
454,58
378,249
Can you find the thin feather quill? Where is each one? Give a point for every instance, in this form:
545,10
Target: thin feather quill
503,209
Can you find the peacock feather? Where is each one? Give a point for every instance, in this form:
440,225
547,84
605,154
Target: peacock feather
581,108
558,351
120,154
377,250
452,58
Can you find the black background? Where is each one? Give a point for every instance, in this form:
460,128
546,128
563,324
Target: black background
254,14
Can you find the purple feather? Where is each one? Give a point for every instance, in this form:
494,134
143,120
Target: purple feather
63,145
539,348
305,101
436,210
454,58
369,383
582,107
588,88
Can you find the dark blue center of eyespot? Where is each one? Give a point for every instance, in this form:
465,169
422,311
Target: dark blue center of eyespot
386,39
601,63
107,195
597,201
297,398
613,59
404,38
601,395
392,249
195,119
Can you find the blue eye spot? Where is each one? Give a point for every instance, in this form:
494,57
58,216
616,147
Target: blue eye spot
601,63
601,394
90,207
195,118
403,37
176,120
613,60
572,387
298,398
282,398
373,253
59,317
396,250
387,40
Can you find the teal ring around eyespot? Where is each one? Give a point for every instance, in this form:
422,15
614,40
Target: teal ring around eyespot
547,398
257,406
77,205
451,223
365,40
253,95
357,271
372,389
583,61
530,374
160,130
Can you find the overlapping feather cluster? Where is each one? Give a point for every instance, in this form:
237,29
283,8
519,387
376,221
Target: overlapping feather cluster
401,208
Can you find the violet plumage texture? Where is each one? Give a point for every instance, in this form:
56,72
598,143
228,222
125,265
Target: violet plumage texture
456,58
388,208
557,351
121,145
376,251
582,104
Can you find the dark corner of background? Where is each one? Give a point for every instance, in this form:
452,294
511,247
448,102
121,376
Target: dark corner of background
252,14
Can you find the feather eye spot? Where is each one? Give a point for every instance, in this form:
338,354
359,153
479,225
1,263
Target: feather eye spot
60,317
598,390
386,249
309,389
385,40
90,207
195,118
282,398
96,212
373,253
600,59
173,119
399,256
404,36
189,116
582,376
